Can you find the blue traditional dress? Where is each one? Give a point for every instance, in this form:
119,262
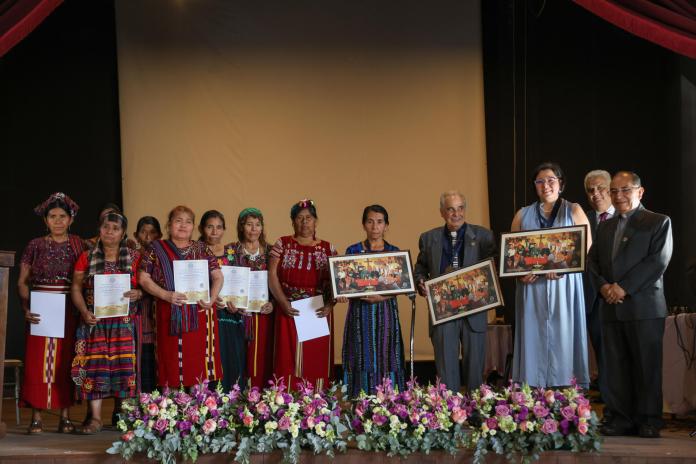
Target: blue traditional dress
550,334
372,344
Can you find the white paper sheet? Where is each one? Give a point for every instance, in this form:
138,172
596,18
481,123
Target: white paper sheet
258,290
236,285
191,277
51,308
308,325
108,295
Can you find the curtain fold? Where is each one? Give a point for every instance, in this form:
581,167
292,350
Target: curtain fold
668,23
18,18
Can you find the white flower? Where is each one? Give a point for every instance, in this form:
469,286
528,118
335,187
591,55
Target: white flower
270,427
319,429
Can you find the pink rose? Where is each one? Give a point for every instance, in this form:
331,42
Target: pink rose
161,425
310,422
519,397
459,415
549,426
209,426
248,420
254,395
540,411
492,423
582,427
262,408
309,410
584,411
152,409
567,412
129,435
523,426
502,410
549,396
211,402
284,423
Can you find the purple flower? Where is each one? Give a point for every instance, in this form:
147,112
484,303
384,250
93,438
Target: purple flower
254,395
518,397
564,426
223,423
502,410
549,426
161,425
181,398
567,412
522,415
184,426
540,411
492,423
379,419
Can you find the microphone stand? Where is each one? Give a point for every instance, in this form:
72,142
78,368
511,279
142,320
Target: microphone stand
412,297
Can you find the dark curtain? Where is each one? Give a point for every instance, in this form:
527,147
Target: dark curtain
669,23
19,17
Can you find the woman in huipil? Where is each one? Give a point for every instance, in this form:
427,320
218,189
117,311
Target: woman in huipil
147,230
299,268
550,334
252,251
188,348
47,266
230,323
104,364
372,345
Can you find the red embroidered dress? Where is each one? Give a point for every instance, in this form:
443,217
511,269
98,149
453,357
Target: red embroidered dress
303,272
192,354
47,383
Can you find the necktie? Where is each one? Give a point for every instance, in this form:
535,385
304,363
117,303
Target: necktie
455,253
604,216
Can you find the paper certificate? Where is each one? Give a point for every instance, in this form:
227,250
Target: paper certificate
308,325
235,287
108,295
191,278
51,309
258,290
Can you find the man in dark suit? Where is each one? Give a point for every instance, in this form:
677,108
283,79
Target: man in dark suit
627,262
597,190
441,250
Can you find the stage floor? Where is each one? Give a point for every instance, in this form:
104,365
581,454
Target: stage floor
675,446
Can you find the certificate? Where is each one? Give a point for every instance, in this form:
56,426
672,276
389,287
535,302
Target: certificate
235,287
51,309
308,325
258,290
191,278
108,295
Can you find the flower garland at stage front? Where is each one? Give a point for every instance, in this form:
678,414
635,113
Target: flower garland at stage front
514,421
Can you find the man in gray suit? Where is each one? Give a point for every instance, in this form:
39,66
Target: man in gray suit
441,250
597,190
627,262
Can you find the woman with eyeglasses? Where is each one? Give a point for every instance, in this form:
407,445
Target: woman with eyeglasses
550,335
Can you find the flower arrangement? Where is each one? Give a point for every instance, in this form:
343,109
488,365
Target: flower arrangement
526,421
418,419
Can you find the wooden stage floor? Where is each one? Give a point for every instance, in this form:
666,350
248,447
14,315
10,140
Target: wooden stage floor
675,446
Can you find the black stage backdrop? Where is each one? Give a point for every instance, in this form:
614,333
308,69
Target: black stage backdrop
59,129
564,85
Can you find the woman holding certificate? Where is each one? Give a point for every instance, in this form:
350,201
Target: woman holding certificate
252,252
103,290
46,271
372,345
230,322
550,335
299,269
185,278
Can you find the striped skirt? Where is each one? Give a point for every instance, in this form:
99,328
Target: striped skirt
104,363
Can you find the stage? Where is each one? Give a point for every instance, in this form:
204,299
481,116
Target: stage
675,446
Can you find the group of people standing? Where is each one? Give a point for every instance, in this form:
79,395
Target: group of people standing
166,342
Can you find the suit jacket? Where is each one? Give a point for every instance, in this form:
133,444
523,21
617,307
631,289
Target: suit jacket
479,244
640,262
591,291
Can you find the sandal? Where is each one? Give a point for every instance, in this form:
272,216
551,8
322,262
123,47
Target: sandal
94,426
35,428
65,426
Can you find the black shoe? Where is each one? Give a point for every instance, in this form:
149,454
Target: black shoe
611,430
649,431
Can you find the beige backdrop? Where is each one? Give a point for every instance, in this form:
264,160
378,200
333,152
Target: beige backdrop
213,121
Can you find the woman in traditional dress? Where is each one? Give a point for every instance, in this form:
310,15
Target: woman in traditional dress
230,323
104,364
373,349
188,349
147,230
550,335
47,266
299,268
252,251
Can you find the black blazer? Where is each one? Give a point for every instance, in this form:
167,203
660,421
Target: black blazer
640,262
591,291
479,244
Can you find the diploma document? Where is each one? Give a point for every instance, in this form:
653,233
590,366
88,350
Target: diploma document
51,308
191,278
108,295
308,325
235,287
258,290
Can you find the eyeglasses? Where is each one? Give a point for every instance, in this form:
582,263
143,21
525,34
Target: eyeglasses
600,189
623,190
548,180
452,210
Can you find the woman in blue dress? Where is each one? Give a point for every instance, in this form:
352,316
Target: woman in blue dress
550,334
372,346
